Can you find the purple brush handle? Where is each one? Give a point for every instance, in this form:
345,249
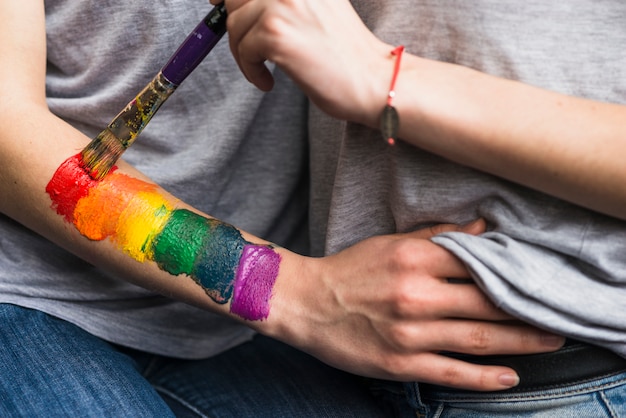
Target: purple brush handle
197,46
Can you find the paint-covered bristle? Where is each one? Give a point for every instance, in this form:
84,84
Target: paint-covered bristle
102,153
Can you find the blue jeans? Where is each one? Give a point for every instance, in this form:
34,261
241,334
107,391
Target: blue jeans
604,397
49,367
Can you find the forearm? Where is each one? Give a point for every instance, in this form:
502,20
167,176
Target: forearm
342,309
564,146
124,224
561,145
128,225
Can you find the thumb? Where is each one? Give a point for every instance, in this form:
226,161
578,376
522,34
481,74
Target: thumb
474,228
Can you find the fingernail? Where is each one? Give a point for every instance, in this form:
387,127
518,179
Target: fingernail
508,380
552,341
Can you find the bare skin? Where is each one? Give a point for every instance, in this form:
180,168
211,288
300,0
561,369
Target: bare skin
565,146
382,308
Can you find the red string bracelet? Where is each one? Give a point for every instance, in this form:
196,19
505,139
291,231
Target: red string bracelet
390,121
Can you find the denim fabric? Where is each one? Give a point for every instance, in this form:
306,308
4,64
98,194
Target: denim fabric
603,397
49,367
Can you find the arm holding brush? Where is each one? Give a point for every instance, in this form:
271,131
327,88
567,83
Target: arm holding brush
129,226
565,146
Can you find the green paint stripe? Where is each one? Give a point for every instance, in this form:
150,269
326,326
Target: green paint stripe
183,238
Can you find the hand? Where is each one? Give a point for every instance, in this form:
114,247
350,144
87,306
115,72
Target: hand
322,44
384,308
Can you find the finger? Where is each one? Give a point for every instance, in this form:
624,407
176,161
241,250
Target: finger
246,41
465,300
488,338
257,73
429,231
426,256
440,302
476,227
410,253
445,371
231,5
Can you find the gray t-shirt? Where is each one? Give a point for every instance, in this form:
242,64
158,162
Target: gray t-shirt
218,143
544,260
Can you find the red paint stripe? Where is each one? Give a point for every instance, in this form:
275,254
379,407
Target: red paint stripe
70,183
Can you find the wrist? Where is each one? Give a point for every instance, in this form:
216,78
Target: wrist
374,87
437,104
284,298
378,83
292,289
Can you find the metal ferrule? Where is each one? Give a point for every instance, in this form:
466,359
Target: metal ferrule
130,122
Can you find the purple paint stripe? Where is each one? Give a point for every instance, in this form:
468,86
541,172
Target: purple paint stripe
256,275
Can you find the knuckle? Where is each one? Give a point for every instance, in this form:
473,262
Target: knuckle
273,25
436,229
403,301
451,376
394,365
410,291
405,254
480,339
441,228
400,337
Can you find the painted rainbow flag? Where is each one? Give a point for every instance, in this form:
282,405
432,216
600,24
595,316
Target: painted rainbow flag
137,218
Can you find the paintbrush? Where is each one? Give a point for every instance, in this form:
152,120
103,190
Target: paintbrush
104,150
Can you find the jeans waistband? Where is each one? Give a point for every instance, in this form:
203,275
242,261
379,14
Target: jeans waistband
574,363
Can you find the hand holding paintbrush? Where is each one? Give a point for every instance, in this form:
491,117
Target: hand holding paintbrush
104,150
